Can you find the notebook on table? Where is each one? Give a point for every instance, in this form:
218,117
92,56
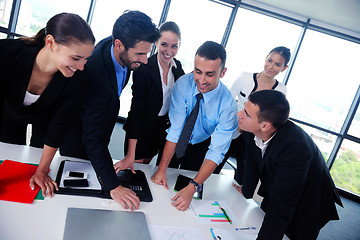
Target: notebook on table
136,182
95,224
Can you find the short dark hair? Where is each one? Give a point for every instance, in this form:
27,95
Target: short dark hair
273,106
66,28
172,27
212,51
284,52
133,27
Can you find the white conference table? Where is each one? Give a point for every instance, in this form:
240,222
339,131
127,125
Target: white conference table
45,219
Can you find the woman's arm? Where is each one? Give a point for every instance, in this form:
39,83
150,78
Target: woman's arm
41,176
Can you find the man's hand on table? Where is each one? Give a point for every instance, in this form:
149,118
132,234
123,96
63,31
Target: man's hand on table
159,177
183,198
126,197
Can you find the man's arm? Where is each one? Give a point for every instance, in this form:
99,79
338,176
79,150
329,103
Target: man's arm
98,118
41,176
183,198
159,176
177,116
96,144
129,159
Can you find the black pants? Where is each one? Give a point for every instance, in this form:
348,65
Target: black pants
152,141
193,158
237,150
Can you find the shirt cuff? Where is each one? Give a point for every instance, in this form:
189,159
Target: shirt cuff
172,136
213,156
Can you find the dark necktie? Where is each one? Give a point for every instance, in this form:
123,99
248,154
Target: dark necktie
188,128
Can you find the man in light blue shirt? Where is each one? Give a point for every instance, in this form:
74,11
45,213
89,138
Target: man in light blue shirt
215,124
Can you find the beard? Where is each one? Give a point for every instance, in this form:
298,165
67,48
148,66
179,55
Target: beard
124,57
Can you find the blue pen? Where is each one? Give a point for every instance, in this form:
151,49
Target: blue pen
212,233
245,228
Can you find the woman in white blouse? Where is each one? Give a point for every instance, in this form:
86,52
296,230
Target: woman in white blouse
275,62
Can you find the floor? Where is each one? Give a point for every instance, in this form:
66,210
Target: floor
347,228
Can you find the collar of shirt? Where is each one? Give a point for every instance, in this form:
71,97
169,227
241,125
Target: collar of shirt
172,64
262,145
120,71
209,95
166,88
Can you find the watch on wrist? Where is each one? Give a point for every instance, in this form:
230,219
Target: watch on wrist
198,187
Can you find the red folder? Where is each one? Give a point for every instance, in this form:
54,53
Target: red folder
14,182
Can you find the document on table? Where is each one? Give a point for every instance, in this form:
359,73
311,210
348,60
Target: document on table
159,232
210,212
14,182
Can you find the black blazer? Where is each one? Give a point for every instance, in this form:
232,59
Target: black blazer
101,109
299,194
50,112
147,98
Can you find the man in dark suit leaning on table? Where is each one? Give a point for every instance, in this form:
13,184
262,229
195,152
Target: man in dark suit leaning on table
299,193
109,68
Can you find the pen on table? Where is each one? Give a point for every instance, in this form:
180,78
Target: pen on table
246,228
212,233
226,216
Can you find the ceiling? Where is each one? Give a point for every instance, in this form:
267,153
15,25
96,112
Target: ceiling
338,15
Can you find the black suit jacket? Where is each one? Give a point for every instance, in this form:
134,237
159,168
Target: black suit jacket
147,98
299,194
101,109
54,106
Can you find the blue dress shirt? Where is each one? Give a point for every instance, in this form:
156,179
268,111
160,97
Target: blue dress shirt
217,116
120,72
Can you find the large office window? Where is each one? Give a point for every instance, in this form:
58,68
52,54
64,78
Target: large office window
249,44
107,11
321,89
35,13
323,82
354,129
5,9
199,21
346,168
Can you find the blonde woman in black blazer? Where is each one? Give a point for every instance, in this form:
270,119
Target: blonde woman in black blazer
148,119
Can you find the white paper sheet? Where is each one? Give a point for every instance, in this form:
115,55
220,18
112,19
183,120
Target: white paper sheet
84,167
159,232
209,212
